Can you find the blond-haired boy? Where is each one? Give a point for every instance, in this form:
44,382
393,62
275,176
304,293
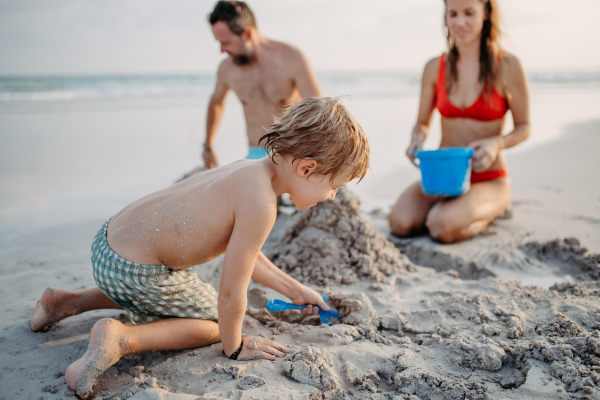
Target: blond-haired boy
142,255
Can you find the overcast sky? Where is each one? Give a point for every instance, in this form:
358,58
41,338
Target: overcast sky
172,36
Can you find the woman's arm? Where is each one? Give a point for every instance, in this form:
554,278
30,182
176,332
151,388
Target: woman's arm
518,101
426,107
517,93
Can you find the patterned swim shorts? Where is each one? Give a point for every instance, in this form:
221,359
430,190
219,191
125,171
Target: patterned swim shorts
150,292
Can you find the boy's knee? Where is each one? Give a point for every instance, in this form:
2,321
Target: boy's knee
214,335
107,326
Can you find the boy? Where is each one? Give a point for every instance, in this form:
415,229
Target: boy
141,255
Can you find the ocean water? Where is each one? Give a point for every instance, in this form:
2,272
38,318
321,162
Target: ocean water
360,84
75,148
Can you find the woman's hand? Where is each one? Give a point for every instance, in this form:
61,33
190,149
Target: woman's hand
415,145
306,295
259,348
486,151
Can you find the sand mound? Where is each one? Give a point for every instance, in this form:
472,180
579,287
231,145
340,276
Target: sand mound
416,333
490,256
331,243
413,334
313,367
456,339
568,253
416,383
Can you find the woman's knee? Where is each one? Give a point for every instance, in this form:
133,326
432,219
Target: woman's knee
442,227
408,214
400,225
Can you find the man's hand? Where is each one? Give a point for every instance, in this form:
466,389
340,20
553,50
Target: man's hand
308,296
259,348
485,153
210,158
415,145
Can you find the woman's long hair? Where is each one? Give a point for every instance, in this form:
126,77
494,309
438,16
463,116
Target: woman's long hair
488,49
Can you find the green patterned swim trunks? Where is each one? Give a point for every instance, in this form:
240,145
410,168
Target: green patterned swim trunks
150,292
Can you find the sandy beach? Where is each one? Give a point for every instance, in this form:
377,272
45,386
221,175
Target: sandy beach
482,319
103,103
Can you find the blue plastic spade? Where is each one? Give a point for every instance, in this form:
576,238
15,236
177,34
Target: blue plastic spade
280,305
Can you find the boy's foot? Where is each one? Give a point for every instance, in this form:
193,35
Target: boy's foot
49,310
107,345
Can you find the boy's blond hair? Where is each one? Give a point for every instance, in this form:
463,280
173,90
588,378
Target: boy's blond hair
322,129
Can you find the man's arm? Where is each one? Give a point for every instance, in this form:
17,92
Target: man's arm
213,118
304,76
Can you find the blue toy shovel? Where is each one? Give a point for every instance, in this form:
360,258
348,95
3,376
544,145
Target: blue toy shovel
280,305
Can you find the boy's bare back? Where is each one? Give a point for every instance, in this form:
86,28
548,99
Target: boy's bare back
191,222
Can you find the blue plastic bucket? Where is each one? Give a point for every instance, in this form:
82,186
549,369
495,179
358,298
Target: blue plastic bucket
445,172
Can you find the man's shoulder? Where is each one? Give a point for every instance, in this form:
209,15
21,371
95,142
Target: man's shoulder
225,67
286,49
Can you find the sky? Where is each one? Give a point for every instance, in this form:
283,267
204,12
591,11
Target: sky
172,36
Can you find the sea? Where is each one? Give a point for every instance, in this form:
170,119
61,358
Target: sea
81,147
57,88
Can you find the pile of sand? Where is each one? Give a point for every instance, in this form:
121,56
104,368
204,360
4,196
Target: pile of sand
331,243
567,253
462,339
413,334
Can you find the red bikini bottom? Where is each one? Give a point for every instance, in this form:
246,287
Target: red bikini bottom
477,177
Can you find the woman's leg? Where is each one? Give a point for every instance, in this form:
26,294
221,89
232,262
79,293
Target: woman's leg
110,340
463,217
58,304
410,211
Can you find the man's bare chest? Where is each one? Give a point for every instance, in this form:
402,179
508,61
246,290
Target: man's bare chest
259,85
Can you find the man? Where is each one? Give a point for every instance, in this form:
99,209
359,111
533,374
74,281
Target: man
264,74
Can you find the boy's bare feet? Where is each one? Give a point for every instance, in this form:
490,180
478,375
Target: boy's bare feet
107,345
57,304
49,310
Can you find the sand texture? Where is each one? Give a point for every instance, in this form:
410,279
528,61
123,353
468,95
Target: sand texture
511,314
417,334
334,244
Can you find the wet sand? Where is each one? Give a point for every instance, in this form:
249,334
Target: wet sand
481,319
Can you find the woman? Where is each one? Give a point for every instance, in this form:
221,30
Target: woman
472,86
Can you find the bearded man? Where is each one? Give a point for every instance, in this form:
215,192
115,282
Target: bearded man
264,74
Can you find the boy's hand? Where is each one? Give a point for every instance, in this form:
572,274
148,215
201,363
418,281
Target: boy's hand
308,296
259,348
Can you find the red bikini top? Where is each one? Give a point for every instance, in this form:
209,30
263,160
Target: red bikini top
482,109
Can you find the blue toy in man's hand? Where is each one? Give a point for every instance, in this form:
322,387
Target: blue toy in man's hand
280,305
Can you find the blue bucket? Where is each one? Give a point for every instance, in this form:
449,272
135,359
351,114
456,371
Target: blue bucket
445,172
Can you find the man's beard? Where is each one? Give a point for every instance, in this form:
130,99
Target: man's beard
243,59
